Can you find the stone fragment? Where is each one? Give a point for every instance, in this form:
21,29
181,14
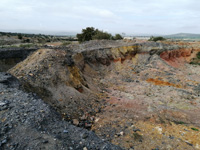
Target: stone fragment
75,122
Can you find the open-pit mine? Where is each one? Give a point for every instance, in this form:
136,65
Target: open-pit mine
102,95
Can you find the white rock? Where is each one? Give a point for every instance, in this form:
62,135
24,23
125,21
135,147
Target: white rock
85,148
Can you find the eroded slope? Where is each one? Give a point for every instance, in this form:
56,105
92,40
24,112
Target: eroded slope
26,122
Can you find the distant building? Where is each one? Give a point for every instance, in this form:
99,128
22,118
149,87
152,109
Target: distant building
128,38
143,37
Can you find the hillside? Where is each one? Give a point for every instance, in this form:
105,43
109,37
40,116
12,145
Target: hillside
186,36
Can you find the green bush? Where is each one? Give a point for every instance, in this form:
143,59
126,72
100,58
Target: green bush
66,43
20,36
86,34
118,37
101,35
198,55
159,38
195,129
196,61
90,33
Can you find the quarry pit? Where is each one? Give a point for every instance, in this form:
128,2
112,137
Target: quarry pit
133,95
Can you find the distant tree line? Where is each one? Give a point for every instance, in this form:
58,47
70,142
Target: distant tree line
90,33
32,38
22,34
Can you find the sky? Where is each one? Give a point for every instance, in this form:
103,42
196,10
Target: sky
113,16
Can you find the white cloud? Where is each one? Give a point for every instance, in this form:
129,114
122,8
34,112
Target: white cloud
106,14
151,16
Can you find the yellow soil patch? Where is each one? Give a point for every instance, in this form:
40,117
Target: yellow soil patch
162,83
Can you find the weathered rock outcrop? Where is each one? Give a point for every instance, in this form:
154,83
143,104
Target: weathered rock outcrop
177,57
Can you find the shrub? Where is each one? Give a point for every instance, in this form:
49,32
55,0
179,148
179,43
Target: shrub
86,34
20,36
66,43
27,41
101,35
198,55
118,37
159,38
195,129
90,33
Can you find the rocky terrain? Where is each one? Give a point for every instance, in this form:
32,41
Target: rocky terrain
134,95
29,123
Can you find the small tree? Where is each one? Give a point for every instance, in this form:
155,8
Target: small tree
101,35
91,33
20,36
118,37
86,34
27,41
159,38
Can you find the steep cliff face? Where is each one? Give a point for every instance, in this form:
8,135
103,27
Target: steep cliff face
125,85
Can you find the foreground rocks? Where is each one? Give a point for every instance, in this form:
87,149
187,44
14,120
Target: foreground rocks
26,122
136,95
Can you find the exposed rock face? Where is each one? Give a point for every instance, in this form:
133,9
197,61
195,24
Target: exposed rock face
62,88
170,55
9,57
177,57
127,86
66,81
